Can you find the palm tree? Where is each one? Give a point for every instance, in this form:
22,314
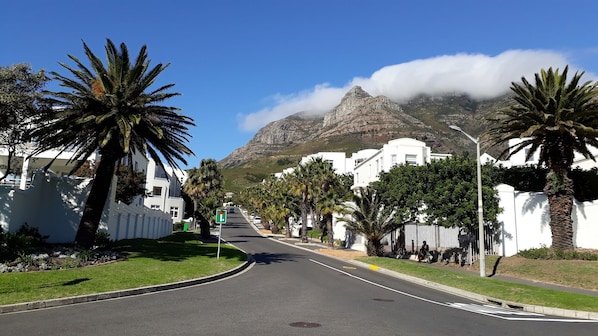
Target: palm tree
204,187
113,110
307,181
368,216
558,119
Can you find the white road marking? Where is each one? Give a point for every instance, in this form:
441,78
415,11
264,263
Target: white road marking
487,310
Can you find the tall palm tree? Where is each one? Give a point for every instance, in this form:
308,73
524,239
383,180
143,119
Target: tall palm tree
368,216
307,181
558,118
204,187
112,109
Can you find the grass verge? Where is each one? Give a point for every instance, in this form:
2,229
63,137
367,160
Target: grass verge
149,262
495,288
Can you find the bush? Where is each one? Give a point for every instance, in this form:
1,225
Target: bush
177,227
25,239
102,240
546,253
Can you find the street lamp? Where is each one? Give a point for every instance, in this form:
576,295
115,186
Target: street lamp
480,204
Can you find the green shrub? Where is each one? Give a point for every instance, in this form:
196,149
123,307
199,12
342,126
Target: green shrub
546,253
316,233
21,242
102,240
177,227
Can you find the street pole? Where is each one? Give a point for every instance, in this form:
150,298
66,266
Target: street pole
480,202
481,215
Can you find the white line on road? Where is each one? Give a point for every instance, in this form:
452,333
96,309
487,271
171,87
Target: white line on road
495,312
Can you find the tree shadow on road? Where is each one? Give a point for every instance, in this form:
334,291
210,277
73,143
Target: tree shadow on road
270,258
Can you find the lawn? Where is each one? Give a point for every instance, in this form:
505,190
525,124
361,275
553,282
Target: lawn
575,273
149,262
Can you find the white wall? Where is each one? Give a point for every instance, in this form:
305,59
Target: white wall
54,205
526,221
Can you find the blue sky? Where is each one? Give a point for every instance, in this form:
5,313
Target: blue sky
240,64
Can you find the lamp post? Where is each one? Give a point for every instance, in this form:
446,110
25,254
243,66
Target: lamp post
480,204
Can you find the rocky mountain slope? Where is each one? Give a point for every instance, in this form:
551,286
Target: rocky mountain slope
362,121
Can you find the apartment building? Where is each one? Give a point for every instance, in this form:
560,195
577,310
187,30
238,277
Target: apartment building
395,152
164,186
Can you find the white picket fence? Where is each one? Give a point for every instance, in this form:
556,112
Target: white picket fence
54,205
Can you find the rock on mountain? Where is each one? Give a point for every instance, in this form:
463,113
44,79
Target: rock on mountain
369,122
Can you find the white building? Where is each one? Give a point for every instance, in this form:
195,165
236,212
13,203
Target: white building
168,199
518,159
22,178
164,190
337,160
395,152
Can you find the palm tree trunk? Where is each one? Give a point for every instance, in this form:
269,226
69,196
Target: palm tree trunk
329,229
195,214
304,209
559,190
374,248
94,205
287,226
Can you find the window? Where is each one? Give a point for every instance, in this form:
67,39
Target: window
393,160
155,207
531,158
157,191
160,173
411,159
174,211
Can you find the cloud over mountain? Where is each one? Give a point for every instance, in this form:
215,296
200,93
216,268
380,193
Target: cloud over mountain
477,75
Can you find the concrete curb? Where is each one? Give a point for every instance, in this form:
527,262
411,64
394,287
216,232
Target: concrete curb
18,307
459,292
455,291
479,297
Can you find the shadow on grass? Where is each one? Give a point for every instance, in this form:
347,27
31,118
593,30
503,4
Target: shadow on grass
177,247
66,283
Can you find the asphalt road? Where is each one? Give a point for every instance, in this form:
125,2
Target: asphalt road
290,291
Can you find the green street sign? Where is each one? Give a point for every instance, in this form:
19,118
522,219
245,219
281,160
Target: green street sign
220,216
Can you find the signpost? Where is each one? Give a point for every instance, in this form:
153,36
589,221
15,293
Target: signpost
220,219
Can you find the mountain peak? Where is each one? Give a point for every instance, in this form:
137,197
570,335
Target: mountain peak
356,92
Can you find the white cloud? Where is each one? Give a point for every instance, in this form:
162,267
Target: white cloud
478,75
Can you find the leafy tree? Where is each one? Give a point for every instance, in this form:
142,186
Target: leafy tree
20,101
86,170
450,193
116,111
131,183
403,188
204,187
370,217
558,118
533,178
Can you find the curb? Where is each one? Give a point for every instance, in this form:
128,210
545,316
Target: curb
19,307
455,291
459,292
479,297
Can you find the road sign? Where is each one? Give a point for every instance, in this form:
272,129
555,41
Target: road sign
220,216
